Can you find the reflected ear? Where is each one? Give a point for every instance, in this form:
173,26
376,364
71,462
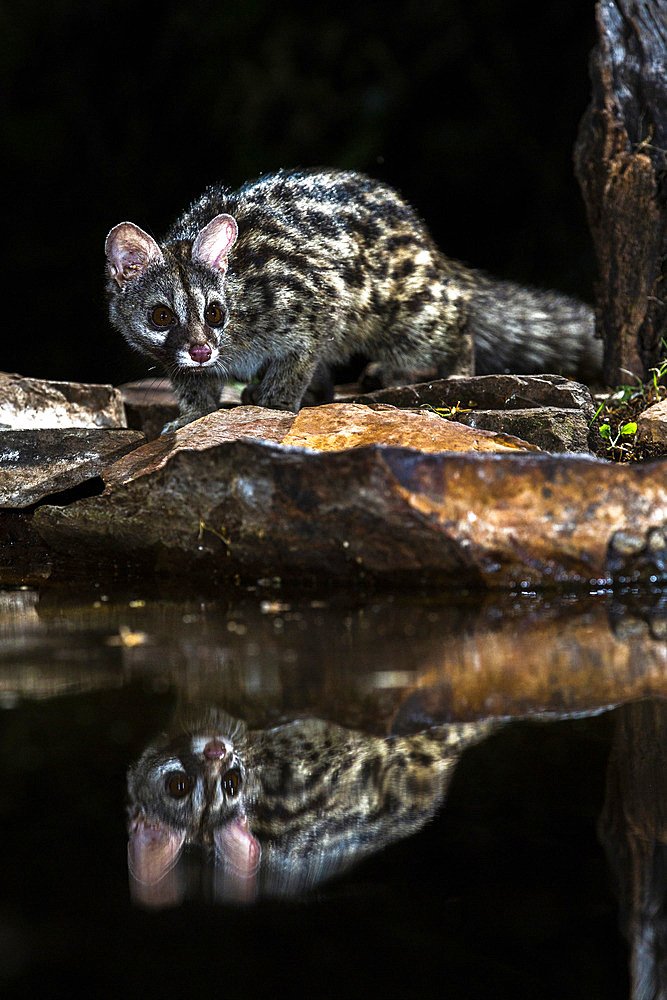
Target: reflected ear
214,242
237,849
152,850
169,891
129,251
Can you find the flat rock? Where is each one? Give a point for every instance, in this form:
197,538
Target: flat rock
549,428
550,411
251,509
336,426
255,422
31,404
652,424
331,427
488,392
37,463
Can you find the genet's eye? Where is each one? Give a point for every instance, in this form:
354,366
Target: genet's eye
179,784
213,315
162,316
231,782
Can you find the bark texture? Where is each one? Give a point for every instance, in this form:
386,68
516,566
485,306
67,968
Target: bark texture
621,165
633,828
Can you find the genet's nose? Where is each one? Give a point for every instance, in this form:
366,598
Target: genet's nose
200,353
215,750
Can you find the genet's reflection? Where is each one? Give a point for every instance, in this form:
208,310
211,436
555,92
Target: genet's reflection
221,810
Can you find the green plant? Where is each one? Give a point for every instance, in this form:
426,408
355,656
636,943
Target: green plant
620,409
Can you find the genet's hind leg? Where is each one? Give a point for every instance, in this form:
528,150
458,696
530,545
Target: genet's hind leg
378,376
321,388
283,383
461,361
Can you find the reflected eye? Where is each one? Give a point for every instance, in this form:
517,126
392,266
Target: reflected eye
179,784
231,782
213,314
162,316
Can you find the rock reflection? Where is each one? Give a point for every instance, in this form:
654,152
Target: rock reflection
218,809
353,661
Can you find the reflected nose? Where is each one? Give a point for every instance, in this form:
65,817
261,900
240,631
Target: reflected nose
215,750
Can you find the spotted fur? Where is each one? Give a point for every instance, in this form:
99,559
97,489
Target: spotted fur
316,266
309,798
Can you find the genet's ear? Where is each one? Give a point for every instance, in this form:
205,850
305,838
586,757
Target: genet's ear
152,850
129,251
237,849
214,242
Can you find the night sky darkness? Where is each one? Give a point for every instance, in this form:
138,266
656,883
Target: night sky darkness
127,110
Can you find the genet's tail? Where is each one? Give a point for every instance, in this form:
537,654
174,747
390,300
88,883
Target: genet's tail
527,331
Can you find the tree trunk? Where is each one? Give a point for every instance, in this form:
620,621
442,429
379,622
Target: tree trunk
621,165
633,829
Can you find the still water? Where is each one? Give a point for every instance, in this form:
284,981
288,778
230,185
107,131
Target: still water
385,796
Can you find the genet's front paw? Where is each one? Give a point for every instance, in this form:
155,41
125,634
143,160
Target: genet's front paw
174,425
185,418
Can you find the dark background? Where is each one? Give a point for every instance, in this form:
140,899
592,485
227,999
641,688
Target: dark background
506,894
127,110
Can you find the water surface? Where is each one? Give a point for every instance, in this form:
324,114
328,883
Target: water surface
541,875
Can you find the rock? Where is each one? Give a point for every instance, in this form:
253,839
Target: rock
551,412
30,403
549,428
332,427
230,425
37,463
652,424
336,426
488,392
252,509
